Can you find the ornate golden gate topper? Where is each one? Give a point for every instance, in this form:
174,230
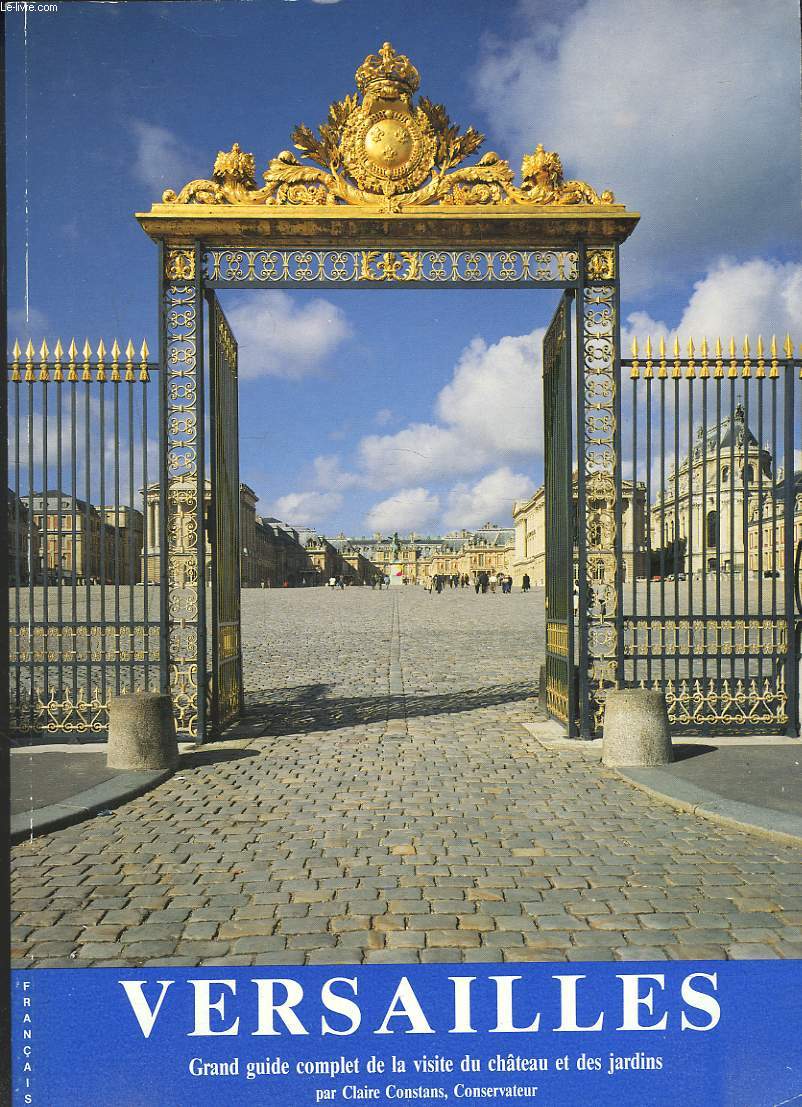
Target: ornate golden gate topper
378,149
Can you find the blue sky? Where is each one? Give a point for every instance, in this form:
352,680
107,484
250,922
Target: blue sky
366,411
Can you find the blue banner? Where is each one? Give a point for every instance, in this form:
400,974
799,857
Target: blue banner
657,1033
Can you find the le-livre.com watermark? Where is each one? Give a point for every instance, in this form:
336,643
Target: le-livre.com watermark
24,8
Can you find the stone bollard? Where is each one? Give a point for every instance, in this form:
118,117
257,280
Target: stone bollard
635,728
142,732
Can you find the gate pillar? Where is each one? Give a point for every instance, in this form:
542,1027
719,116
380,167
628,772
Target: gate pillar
598,483
183,553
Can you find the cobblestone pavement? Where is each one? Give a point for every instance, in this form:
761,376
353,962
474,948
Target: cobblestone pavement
383,803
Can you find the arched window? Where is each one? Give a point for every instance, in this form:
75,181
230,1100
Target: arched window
749,474
725,473
712,528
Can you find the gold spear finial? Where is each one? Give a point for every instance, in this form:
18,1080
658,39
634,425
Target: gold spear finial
788,346
661,372
704,372
718,370
634,371
144,353
30,353
761,361
101,362
115,361
677,370
15,354
648,372
87,352
691,370
44,354
733,369
774,369
747,369
58,353
72,354
129,361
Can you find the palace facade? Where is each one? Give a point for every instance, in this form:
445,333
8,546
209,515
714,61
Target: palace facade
529,518
79,541
705,505
270,552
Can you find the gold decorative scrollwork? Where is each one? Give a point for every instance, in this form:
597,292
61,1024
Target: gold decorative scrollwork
600,264
289,267
179,265
69,643
726,703
599,338
185,554
377,149
391,265
755,636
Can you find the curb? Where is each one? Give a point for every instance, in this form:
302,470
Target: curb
120,789
684,796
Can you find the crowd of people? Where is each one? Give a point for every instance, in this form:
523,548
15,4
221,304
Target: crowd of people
482,582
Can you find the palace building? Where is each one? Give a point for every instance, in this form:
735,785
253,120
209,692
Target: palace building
270,551
705,505
529,518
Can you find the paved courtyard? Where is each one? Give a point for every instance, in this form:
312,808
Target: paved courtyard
383,802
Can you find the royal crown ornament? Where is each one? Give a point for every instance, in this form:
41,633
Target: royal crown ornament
380,151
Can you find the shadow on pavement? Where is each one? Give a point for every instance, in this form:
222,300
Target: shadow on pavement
308,707
198,758
684,751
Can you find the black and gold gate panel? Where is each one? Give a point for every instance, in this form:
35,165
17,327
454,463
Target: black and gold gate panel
557,408
224,522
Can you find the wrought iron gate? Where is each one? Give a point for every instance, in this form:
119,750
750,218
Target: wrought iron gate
224,529
85,535
709,522
558,457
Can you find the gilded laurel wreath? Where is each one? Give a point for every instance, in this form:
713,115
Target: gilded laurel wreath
377,149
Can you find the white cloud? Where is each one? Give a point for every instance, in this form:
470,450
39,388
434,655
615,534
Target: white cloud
280,336
306,507
330,475
754,297
409,509
163,160
488,412
383,416
689,111
22,326
489,499
494,396
421,451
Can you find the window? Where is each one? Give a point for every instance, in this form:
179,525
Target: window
711,535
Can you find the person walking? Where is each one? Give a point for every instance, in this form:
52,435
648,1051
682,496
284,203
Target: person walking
525,583
493,582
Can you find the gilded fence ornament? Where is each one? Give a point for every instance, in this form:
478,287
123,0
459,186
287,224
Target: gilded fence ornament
378,149
233,182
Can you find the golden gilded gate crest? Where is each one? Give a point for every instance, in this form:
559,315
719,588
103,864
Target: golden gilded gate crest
380,150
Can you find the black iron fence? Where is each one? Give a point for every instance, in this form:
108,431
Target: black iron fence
83,509
710,515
